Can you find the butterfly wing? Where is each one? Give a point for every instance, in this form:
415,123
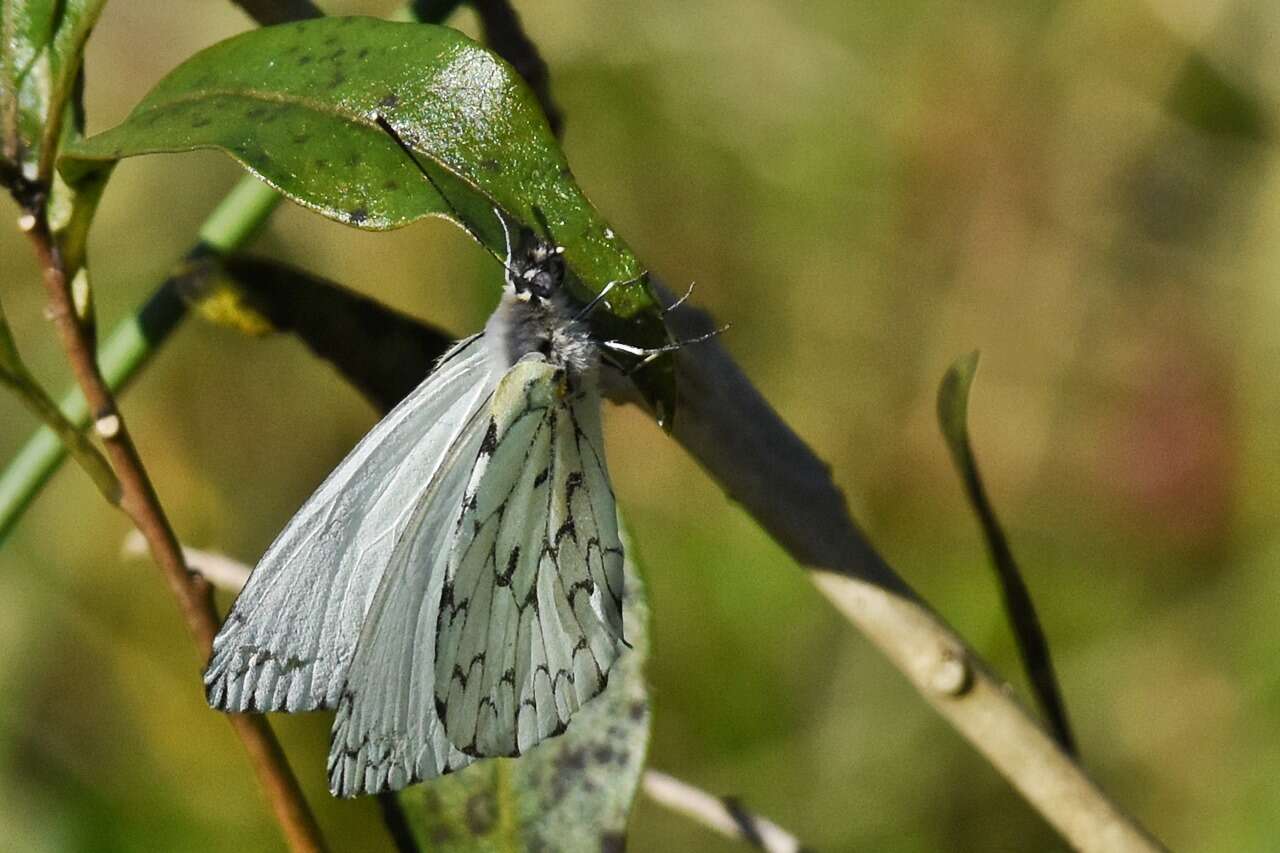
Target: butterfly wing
386,734
530,617
290,637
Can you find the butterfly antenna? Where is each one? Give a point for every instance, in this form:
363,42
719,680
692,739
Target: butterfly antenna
682,300
647,355
596,300
457,215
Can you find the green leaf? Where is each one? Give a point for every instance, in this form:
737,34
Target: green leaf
41,50
571,793
953,409
297,106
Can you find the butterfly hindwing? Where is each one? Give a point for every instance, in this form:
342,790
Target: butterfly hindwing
291,634
530,618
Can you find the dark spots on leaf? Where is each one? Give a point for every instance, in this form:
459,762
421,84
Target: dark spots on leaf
304,60
389,101
354,159
256,112
572,760
300,138
603,754
322,163
613,842
357,216
364,51
637,710
337,54
482,813
337,80
331,40
566,172
390,184
491,165
568,769
201,121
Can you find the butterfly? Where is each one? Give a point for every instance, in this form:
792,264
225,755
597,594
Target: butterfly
454,587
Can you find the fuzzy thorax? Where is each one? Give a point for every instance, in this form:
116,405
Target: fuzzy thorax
524,324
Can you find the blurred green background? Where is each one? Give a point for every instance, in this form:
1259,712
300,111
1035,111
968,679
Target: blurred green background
1085,191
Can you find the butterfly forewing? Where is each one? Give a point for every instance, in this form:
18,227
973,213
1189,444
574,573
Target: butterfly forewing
291,635
527,630
386,733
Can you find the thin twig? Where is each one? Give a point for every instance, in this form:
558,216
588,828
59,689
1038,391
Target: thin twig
140,503
504,33
77,444
722,814
1033,645
15,376
222,572
730,429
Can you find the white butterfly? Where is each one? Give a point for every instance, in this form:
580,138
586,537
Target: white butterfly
454,587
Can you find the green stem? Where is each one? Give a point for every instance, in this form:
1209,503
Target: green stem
235,220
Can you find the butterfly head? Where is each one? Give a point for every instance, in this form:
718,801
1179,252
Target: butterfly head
535,269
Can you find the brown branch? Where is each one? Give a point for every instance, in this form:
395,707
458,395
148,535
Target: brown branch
504,33
729,428
140,503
